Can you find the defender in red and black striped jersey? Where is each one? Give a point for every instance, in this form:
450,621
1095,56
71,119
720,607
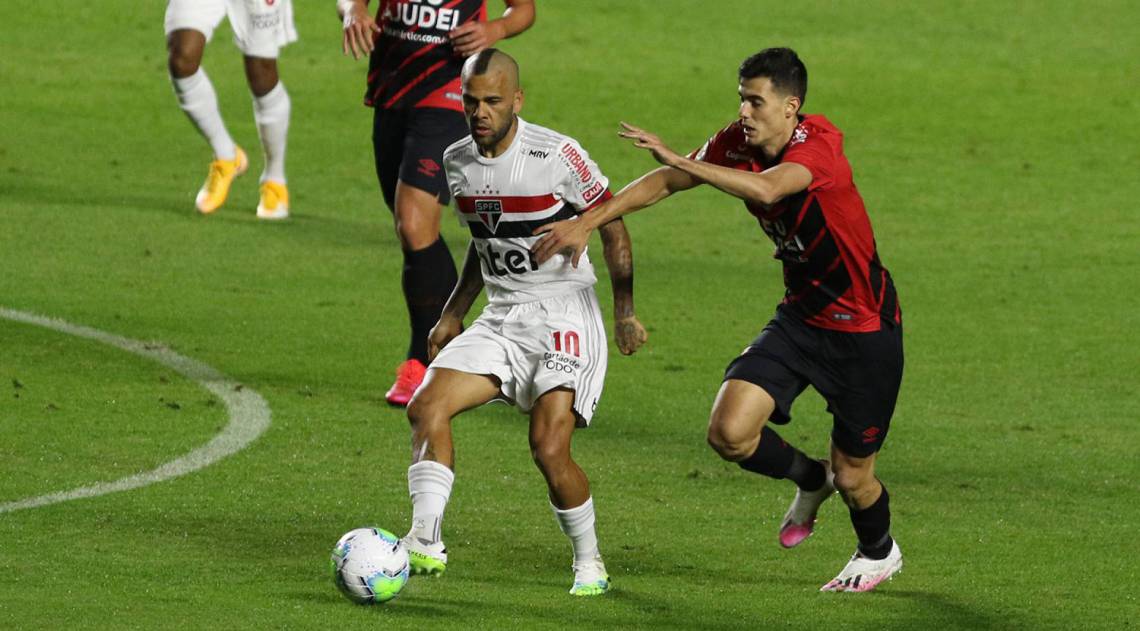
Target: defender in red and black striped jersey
839,328
832,274
416,50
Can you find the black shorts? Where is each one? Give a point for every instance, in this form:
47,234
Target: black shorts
858,374
408,145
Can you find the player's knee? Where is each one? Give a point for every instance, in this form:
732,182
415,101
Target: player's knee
732,437
425,413
728,446
549,448
184,48
549,455
182,63
415,231
261,74
852,481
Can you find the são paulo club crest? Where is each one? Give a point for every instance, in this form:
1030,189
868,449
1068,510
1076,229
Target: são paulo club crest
489,211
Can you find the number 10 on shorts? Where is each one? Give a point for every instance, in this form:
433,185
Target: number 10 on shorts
570,339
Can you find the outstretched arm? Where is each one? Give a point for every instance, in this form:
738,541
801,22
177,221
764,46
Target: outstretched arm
473,36
767,187
458,303
628,331
570,236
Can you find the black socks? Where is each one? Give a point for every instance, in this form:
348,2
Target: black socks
873,527
777,459
429,277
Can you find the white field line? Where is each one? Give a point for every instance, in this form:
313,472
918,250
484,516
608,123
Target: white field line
249,413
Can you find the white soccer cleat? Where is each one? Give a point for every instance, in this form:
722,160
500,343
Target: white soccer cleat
590,578
425,558
862,574
799,521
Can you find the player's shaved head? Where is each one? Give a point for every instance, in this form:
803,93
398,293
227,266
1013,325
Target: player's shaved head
492,61
491,99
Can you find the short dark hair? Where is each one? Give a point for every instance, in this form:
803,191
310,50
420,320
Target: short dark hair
782,66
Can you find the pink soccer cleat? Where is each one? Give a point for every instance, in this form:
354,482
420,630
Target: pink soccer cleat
408,377
799,521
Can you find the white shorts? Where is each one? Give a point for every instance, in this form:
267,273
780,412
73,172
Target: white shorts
261,27
535,347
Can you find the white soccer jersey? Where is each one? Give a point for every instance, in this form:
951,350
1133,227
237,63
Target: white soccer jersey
544,176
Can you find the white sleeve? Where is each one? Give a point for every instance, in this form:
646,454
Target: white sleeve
578,180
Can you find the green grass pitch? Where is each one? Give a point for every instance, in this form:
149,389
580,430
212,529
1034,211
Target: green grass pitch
995,144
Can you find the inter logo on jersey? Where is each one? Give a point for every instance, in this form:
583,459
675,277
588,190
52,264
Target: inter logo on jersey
489,211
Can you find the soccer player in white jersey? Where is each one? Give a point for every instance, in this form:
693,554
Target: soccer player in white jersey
261,28
540,343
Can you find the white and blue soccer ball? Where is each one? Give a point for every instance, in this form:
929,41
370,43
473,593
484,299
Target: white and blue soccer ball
370,565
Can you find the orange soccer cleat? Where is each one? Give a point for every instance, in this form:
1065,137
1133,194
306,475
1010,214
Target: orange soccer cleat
274,202
217,186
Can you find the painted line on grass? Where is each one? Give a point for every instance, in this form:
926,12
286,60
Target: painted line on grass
249,413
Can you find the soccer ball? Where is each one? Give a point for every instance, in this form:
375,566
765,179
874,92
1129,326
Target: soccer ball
370,565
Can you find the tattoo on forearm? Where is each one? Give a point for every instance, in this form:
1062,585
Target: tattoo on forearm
618,251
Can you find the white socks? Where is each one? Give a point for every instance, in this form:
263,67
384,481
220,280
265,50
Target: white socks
578,524
271,112
197,98
429,484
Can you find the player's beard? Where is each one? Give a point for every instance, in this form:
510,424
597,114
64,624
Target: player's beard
491,141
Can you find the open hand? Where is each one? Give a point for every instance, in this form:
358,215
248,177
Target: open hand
473,37
648,140
562,237
359,31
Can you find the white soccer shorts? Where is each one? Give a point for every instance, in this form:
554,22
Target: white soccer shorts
261,27
535,347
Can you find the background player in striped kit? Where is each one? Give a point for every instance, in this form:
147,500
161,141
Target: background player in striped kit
261,28
540,342
839,327
416,50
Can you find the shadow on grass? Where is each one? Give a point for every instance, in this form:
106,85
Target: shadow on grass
945,611
29,191
402,606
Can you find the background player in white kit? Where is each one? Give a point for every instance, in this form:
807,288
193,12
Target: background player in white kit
261,28
540,342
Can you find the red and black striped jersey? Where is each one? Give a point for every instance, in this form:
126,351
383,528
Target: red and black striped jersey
832,275
413,64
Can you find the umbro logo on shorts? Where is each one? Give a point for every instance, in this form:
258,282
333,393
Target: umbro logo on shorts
428,167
